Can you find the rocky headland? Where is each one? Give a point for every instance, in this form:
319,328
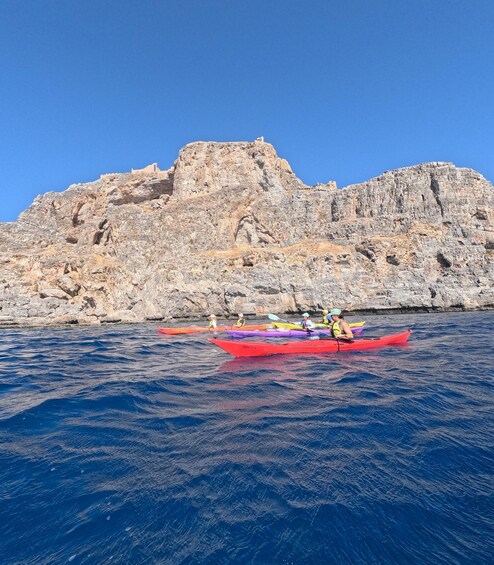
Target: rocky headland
229,228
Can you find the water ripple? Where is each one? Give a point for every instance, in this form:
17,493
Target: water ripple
121,445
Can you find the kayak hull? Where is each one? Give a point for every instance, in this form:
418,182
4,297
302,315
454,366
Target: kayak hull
294,326
284,333
205,329
259,348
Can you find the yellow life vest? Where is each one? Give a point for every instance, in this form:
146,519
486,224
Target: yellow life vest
325,321
335,329
240,323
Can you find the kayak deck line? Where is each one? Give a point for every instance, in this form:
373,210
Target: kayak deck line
259,348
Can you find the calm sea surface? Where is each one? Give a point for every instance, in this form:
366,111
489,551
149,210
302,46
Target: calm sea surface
118,445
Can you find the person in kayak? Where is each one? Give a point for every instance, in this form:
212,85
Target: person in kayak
339,327
213,323
306,323
324,319
241,321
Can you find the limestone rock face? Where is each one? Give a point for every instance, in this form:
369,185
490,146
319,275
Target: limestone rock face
230,228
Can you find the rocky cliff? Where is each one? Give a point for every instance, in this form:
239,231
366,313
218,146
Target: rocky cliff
230,228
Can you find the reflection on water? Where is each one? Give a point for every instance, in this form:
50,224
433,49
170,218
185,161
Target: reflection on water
127,446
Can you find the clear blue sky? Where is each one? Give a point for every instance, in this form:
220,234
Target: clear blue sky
343,89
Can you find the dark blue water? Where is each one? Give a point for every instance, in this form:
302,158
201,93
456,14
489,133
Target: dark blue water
118,445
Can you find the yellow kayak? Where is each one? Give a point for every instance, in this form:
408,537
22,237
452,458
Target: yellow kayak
292,326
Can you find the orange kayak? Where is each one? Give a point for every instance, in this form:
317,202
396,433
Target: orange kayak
205,329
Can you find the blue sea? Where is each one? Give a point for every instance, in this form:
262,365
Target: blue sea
120,445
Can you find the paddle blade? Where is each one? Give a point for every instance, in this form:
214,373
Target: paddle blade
274,317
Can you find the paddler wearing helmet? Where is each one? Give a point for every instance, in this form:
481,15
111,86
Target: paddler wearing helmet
339,327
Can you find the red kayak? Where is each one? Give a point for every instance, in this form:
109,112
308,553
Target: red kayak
199,329
260,348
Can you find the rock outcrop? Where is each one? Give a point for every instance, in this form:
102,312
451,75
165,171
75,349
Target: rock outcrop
230,228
